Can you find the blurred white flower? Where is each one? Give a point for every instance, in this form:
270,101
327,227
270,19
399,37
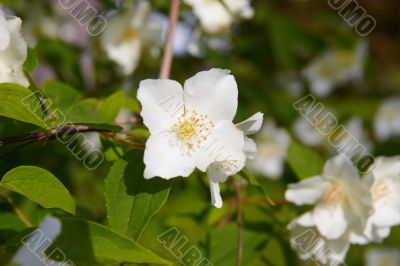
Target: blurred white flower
125,35
272,143
40,25
307,133
343,202
217,16
219,171
384,183
13,50
311,245
336,67
382,257
387,121
191,127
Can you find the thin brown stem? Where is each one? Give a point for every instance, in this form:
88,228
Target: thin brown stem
168,51
239,221
17,211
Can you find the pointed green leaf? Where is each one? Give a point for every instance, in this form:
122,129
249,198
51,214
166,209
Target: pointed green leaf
88,243
20,103
132,200
40,186
109,109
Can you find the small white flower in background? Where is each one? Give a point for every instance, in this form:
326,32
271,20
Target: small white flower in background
192,127
307,133
125,36
387,120
382,257
272,143
384,183
311,245
336,67
217,16
342,202
219,171
13,50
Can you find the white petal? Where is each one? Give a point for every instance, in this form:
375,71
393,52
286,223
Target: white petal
213,93
307,191
215,172
162,103
252,124
4,32
340,168
224,144
240,7
213,16
250,148
330,222
386,216
216,199
386,167
165,160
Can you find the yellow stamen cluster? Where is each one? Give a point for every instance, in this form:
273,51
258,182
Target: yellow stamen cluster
130,35
334,195
192,129
379,190
231,166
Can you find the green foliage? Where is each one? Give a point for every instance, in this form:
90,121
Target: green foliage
39,186
88,243
304,161
19,103
131,200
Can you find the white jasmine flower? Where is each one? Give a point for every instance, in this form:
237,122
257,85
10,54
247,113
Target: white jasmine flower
342,202
307,133
219,171
13,50
272,145
311,245
387,121
216,16
191,127
383,257
336,67
384,183
124,37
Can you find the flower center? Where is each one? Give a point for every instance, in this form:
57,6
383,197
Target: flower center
192,129
334,195
379,190
130,35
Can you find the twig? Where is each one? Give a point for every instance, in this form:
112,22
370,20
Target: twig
17,211
122,140
239,221
168,51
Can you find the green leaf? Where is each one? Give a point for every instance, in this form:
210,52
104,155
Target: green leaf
21,104
88,243
109,109
40,186
131,199
61,95
304,161
10,221
248,175
221,253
